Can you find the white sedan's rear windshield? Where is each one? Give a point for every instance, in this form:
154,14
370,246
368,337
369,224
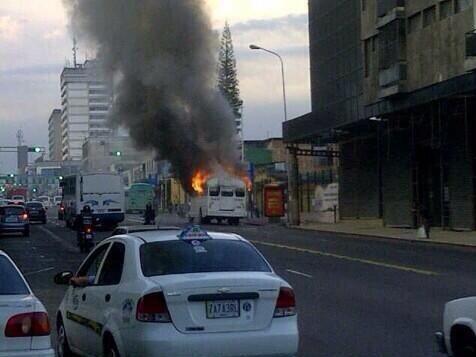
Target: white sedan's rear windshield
214,255
11,282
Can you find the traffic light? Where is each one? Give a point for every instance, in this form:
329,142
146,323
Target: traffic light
60,178
118,153
36,149
34,190
11,175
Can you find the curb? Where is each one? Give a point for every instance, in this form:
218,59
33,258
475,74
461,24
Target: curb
380,237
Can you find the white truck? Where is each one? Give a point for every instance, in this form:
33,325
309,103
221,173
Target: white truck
224,198
103,192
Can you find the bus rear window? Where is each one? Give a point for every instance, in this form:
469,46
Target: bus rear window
240,192
214,191
227,193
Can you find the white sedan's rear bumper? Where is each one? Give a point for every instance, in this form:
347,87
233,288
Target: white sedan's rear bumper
148,339
30,353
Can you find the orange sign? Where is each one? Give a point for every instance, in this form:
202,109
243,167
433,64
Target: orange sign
273,201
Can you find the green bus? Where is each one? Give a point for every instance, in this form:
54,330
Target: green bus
138,196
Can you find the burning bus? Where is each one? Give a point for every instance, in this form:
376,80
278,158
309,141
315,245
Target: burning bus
220,197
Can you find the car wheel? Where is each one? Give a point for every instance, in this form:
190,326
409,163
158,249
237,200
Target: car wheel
110,349
464,344
62,346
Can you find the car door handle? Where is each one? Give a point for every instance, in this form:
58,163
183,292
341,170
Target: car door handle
107,298
83,297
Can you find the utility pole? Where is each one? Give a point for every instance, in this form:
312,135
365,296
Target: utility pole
75,51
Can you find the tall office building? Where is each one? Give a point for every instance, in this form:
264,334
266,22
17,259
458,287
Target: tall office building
86,97
55,136
393,83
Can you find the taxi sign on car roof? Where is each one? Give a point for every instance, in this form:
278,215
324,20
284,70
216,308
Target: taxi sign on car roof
194,233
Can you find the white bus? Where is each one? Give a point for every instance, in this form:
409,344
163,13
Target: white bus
103,192
224,198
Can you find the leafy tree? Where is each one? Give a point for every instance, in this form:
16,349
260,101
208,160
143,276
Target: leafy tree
227,75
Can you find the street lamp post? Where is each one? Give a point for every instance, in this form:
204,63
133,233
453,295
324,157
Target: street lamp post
293,213
254,47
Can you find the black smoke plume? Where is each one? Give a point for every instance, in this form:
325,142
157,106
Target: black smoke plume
162,54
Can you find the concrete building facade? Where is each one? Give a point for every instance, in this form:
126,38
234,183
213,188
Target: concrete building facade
406,130
54,136
86,97
108,154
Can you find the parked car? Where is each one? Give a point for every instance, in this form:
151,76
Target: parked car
14,219
36,211
166,293
24,323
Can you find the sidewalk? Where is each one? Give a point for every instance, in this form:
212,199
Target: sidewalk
375,228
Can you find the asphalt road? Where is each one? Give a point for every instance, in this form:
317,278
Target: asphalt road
356,296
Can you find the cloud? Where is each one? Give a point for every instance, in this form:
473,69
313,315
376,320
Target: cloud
33,71
30,65
9,28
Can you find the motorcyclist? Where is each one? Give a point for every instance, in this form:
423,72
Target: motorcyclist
149,214
85,217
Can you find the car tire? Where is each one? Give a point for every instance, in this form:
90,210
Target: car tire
110,348
464,343
62,345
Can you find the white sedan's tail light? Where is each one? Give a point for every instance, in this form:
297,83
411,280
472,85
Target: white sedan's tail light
28,324
286,303
153,308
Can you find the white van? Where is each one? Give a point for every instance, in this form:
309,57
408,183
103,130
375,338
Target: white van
224,198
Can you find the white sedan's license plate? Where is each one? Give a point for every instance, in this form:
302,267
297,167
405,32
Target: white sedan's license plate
223,309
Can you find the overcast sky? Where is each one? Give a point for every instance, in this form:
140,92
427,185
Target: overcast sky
35,45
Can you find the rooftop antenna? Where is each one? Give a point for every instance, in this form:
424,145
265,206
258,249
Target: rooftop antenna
75,51
20,140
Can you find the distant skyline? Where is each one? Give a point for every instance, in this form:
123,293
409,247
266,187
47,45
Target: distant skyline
35,45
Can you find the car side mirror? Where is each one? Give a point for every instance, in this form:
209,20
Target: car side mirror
63,278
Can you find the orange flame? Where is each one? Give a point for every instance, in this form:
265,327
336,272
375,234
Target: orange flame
199,180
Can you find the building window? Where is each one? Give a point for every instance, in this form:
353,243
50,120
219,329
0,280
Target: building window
98,108
414,23
429,16
98,91
446,10
97,116
461,5
367,56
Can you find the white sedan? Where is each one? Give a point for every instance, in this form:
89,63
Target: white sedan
176,293
24,324
458,338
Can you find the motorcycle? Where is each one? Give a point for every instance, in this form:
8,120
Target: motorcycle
86,235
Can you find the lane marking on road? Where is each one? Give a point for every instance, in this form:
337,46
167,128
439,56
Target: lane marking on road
299,273
352,259
60,240
39,271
